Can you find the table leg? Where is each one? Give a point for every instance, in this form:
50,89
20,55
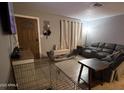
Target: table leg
89,78
80,73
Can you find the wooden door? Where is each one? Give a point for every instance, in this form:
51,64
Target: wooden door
27,30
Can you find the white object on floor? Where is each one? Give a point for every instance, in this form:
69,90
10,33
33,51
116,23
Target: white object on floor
60,52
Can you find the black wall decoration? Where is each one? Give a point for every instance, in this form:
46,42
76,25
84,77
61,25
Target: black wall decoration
46,29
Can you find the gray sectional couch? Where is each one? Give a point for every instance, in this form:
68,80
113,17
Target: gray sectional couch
99,50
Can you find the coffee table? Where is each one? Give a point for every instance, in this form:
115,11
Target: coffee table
93,65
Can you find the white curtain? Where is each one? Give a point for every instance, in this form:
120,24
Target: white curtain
70,34
65,34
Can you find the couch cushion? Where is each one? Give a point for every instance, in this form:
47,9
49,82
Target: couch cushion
87,51
99,49
95,45
108,50
92,48
101,45
109,46
102,54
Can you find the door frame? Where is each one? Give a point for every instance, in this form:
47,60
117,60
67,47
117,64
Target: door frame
38,23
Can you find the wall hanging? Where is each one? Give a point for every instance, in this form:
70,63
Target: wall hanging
46,29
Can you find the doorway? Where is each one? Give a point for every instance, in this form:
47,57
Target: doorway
28,36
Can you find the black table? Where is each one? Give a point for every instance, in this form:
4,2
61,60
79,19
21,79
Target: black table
91,64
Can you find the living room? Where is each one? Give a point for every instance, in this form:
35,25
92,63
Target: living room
94,23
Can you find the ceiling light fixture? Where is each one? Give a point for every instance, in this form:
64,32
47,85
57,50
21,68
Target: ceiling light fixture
97,4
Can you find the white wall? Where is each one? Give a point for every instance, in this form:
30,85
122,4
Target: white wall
7,43
4,58
46,44
109,29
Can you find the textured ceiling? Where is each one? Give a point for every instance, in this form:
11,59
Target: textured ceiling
79,10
